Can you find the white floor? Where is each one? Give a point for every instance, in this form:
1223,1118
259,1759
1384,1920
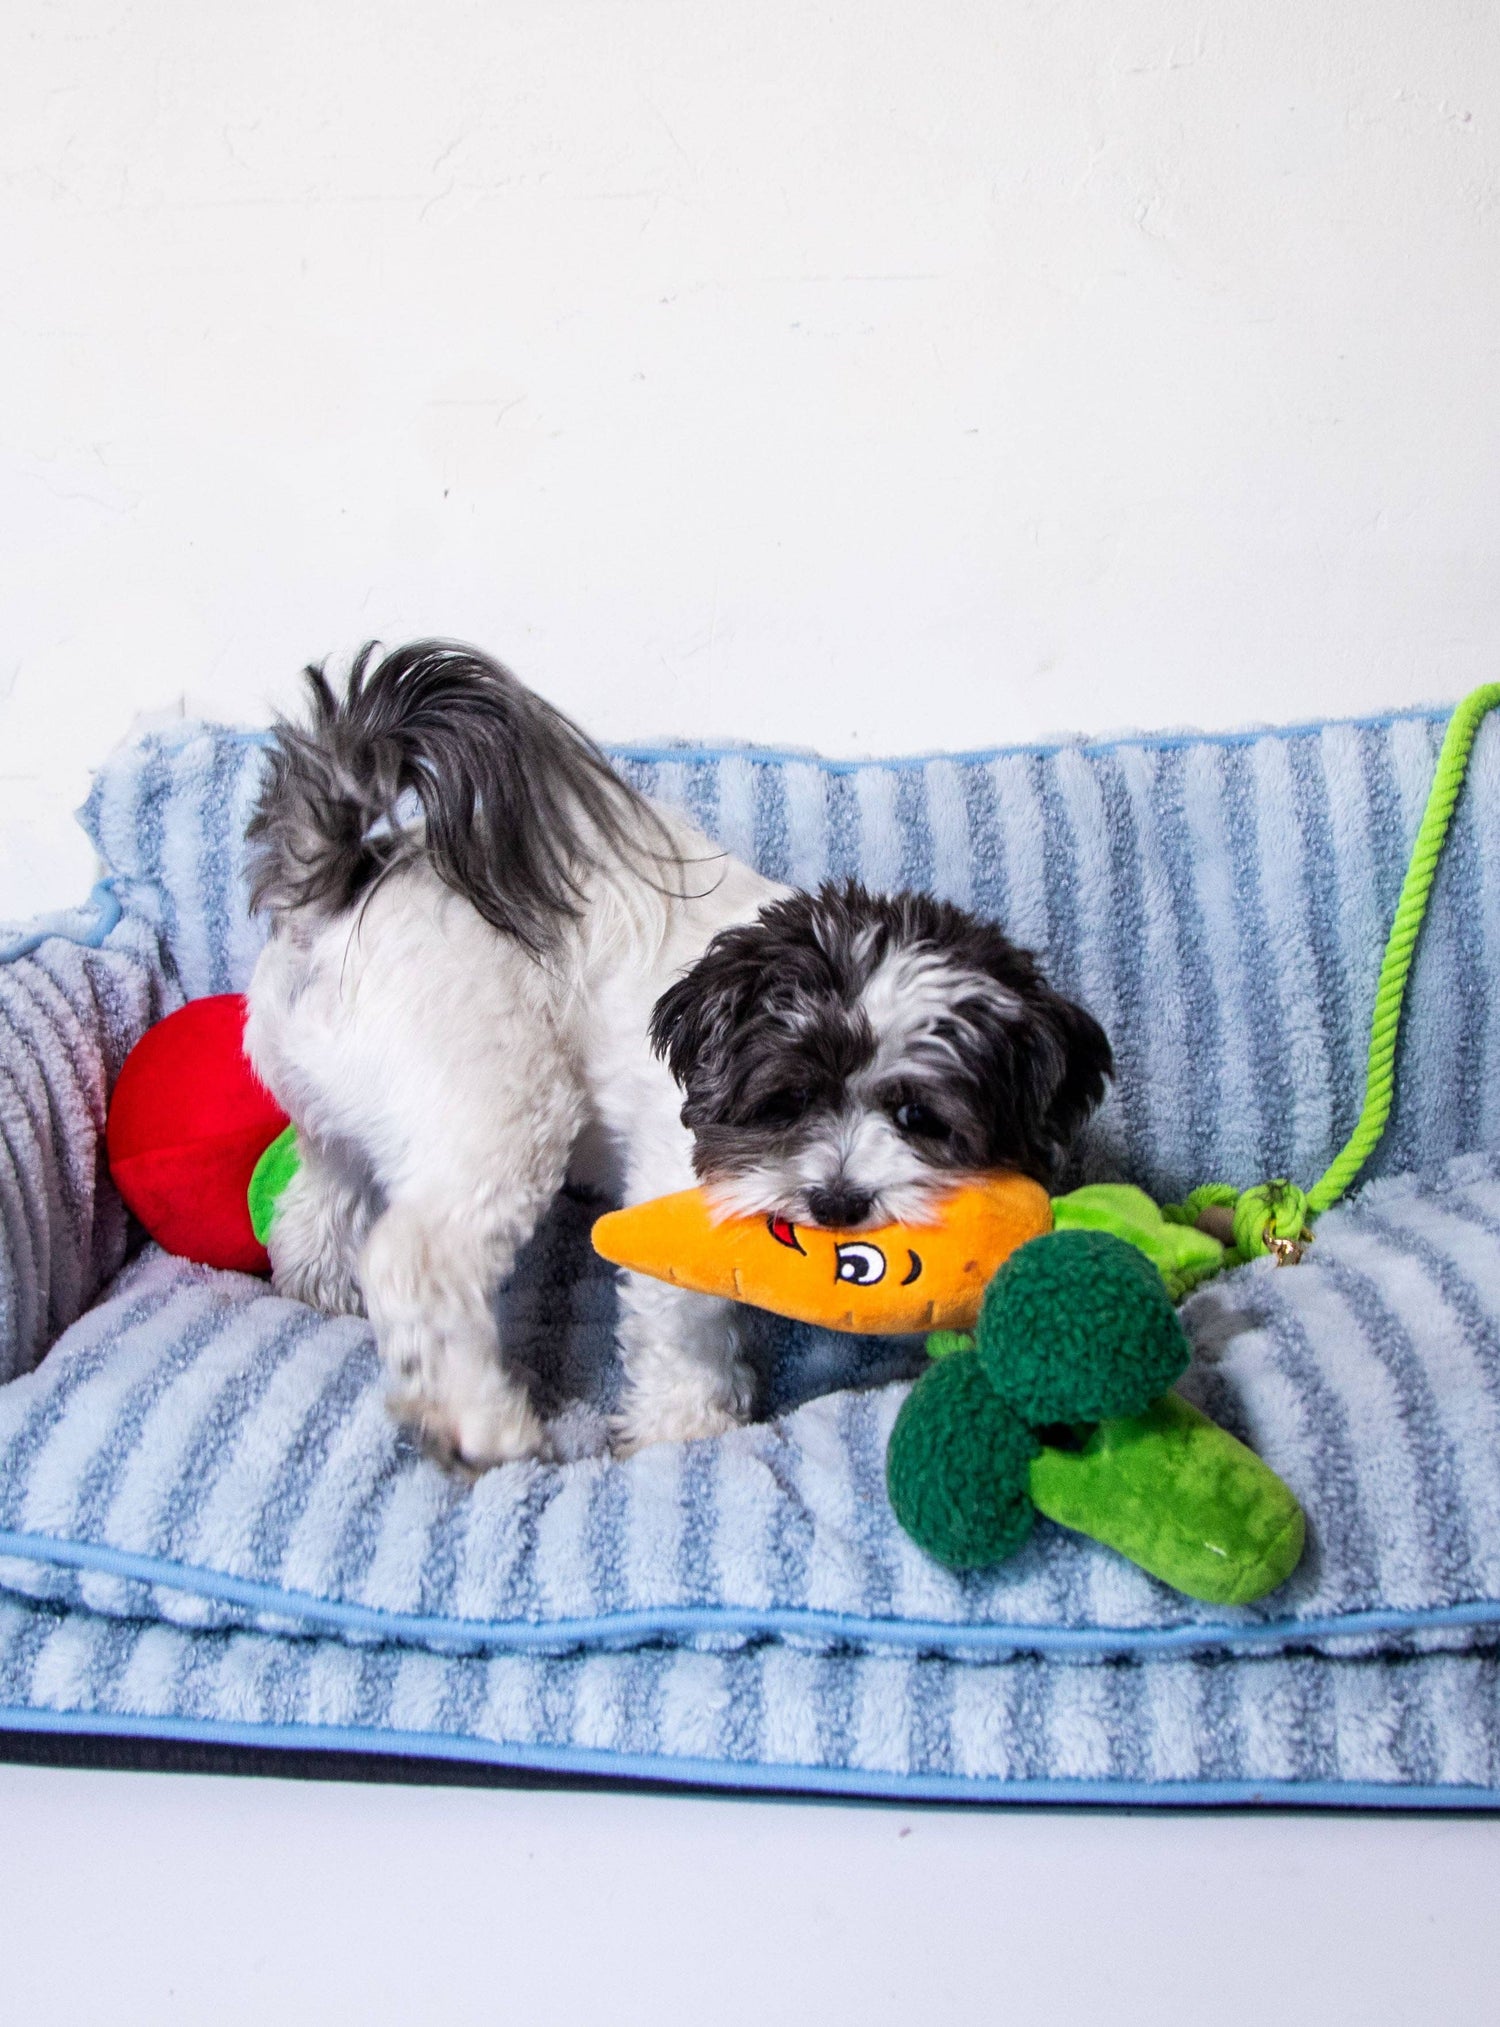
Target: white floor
159,1898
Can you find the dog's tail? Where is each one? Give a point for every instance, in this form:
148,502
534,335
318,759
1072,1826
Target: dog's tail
437,752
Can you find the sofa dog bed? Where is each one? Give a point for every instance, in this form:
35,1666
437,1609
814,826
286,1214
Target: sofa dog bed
211,1532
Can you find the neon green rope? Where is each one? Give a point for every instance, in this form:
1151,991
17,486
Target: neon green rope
1390,991
1276,1216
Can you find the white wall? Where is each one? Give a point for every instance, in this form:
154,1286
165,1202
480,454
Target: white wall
874,374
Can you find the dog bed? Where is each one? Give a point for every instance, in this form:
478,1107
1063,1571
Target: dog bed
211,1533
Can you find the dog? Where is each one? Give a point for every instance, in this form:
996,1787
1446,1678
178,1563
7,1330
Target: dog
485,950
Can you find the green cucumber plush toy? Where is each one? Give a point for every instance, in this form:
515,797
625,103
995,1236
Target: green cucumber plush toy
1060,1403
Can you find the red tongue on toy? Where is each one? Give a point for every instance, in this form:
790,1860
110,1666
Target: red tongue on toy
188,1121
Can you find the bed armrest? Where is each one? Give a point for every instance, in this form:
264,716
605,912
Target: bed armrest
74,999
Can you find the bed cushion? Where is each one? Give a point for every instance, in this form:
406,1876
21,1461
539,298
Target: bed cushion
198,1450
1299,1730
75,995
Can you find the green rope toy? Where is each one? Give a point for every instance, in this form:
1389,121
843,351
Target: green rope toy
1276,1217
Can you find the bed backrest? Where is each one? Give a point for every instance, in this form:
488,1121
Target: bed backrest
1220,902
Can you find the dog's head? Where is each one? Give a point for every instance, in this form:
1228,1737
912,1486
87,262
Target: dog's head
846,1055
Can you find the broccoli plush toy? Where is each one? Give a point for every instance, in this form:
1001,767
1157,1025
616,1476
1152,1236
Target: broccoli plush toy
1060,1403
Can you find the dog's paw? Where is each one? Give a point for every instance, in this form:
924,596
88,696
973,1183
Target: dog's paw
473,1436
682,1414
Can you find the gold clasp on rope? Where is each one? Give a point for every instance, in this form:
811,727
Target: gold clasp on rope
1286,1252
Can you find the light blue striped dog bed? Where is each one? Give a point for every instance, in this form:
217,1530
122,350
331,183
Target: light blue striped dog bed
211,1531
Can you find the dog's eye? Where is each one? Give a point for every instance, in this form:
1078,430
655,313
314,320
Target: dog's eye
779,1108
920,1122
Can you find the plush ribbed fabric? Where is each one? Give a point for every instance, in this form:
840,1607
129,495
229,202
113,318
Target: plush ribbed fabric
209,1528
69,1012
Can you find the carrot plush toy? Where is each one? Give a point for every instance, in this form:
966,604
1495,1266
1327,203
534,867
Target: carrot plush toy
893,1278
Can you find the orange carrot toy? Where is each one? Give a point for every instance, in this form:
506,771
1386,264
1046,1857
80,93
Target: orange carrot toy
891,1278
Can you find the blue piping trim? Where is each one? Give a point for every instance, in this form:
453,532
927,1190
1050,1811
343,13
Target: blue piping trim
1156,742
1126,742
107,911
628,1629
746,1776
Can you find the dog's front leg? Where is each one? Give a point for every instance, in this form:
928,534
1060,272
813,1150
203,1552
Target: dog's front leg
429,1270
685,1375
685,1372
463,1199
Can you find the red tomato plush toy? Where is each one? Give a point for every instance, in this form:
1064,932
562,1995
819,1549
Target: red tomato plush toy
188,1121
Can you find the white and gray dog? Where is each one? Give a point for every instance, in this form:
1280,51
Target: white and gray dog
486,950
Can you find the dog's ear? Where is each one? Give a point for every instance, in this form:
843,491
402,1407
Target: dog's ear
693,1021
1088,1064
679,1021
1049,1059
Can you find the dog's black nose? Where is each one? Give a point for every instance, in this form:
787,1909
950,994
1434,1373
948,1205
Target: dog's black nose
839,1205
